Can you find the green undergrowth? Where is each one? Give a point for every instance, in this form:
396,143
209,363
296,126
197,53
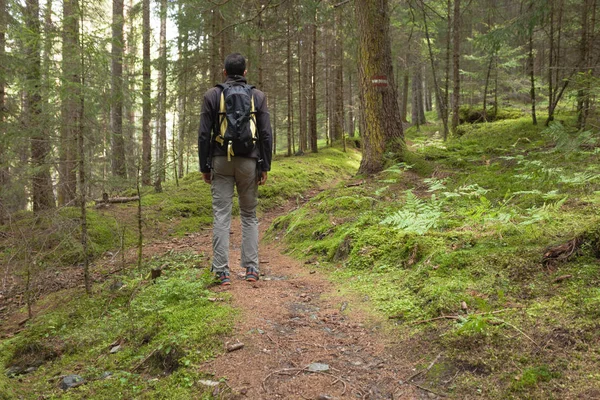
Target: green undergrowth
187,207
460,229
165,329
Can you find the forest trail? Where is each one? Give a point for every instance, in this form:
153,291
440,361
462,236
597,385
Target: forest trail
294,317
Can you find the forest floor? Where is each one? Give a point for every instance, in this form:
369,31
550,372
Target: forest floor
294,319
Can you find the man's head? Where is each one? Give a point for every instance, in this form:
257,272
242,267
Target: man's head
235,64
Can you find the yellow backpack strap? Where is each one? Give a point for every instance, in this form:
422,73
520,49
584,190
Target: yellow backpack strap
222,120
253,118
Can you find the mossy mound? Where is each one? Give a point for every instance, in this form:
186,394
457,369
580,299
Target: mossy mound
458,252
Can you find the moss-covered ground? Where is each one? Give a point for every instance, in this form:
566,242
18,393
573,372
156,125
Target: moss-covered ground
134,337
450,245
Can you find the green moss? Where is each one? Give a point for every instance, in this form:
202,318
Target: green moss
501,194
165,328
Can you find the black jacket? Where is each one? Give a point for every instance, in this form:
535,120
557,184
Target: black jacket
209,114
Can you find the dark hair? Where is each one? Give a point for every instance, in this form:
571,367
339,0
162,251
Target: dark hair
235,64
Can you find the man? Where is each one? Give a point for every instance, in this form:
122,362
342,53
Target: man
222,169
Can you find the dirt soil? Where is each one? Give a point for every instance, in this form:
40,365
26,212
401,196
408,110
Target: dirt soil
292,318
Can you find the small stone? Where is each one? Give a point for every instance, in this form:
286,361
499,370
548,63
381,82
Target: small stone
71,381
356,363
431,395
30,369
324,397
260,331
14,371
318,367
244,391
463,305
106,375
115,349
208,383
116,286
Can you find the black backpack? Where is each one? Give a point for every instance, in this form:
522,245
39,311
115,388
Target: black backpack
235,126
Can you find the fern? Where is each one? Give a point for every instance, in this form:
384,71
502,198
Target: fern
568,142
416,216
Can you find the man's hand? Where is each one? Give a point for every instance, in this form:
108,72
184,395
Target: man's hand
263,178
207,177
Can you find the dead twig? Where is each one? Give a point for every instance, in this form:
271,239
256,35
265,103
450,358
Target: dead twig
426,369
431,391
144,360
520,331
562,278
458,317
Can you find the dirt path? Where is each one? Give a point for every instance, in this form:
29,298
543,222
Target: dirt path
293,318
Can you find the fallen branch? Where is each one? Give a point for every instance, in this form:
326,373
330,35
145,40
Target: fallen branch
458,317
116,200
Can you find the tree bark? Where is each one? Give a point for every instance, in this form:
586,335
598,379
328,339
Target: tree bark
313,88
4,171
582,93
41,190
338,78
161,119
289,83
447,68
351,122
116,111
530,64
70,103
4,166
456,66
382,115
146,97
182,99
302,120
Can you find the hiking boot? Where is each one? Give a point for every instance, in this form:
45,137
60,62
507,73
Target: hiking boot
223,279
251,274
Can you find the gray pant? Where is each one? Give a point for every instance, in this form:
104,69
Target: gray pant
241,172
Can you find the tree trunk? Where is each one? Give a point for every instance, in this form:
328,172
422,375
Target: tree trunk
301,97
146,98
405,89
338,78
456,65
582,93
116,110
380,103
313,89
530,64
130,62
486,86
351,123
81,165
161,118
4,172
182,103
447,70
289,83
41,190
70,103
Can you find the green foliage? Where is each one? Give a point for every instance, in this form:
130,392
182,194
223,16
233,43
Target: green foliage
165,328
416,216
530,377
473,230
